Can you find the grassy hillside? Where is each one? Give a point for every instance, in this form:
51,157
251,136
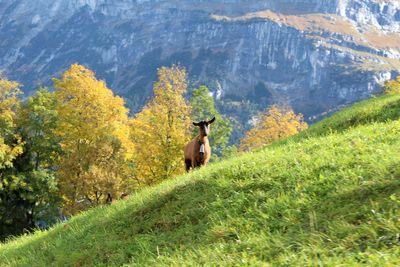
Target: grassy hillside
377,109
317,199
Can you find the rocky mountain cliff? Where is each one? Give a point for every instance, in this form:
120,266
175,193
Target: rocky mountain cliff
314,55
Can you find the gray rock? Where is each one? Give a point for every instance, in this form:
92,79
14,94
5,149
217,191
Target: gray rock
314,55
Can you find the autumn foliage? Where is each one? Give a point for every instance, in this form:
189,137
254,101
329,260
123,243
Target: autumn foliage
95,140
10,143
392,86
67,150
276,123
161,130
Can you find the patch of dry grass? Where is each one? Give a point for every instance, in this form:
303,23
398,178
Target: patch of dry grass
317,24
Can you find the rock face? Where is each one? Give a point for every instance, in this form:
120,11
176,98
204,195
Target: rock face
314,55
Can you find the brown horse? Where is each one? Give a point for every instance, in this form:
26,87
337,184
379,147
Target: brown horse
198,151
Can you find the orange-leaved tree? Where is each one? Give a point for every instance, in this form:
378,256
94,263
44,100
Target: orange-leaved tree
161,129
274,124
392,86
95,140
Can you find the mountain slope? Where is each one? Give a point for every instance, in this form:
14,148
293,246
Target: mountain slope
313,55
332,199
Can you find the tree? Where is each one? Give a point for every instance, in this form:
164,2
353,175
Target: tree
95,140
30,191
161,129
276,123
37,122
10,143
10,149
203,107
392,86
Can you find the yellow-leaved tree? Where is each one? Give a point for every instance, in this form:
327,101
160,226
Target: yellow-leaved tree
392,86
274,124
161,130
95,140
10,142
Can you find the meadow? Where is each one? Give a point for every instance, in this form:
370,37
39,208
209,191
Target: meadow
329,196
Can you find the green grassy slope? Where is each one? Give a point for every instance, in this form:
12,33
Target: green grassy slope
321,200
379,109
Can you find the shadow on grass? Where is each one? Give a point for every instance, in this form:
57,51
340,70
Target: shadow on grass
167,221
356,205
160,223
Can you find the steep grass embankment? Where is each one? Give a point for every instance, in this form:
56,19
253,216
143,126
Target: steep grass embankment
330,196
377,109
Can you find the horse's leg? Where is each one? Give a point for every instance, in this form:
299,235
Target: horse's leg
188,164
195,163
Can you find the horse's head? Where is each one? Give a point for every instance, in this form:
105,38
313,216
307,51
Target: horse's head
204,126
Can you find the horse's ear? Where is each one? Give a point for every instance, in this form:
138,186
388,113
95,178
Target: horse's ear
212,120
196,124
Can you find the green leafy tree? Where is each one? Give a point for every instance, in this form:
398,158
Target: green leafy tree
10,149
203,107
38,120
29,186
